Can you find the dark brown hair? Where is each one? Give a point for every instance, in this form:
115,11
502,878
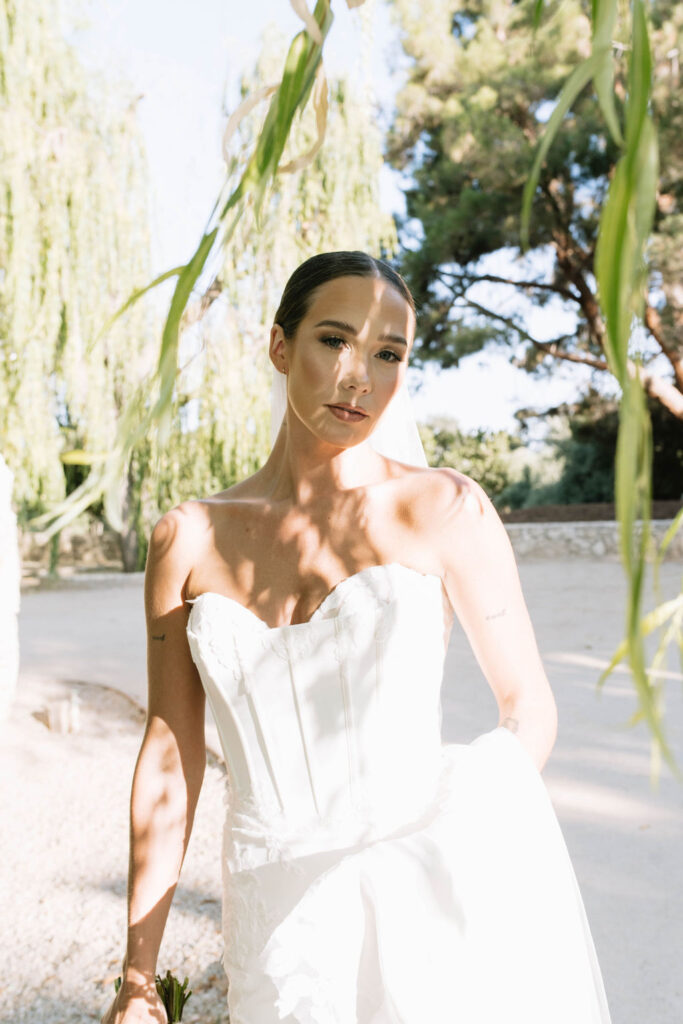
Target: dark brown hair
326,266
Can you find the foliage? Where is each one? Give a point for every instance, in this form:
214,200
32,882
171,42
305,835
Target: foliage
73,244
482,455
172,994
626,221
483,79
585,443
151,410
574,91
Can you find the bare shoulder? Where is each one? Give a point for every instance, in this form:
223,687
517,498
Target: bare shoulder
176,542
467,524
457,514
448,491
438,494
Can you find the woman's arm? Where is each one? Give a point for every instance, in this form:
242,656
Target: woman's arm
483,583
170,766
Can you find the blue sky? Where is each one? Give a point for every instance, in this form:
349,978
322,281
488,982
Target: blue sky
185,61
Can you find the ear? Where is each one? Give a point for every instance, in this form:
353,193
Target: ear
277,349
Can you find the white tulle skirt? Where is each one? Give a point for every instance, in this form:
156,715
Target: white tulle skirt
471,915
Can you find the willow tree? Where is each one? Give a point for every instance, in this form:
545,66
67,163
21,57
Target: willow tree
168,404
73,245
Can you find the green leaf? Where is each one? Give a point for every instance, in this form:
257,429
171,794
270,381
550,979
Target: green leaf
613,257
671,532
604,18
536,14
653,620
168,356
133,299
106,479
640,77
578,80
298,77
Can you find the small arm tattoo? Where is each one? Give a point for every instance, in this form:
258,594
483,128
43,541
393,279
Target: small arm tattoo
510,723
497,614
162,637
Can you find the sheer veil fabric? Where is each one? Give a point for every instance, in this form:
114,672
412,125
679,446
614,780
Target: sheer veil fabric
396,435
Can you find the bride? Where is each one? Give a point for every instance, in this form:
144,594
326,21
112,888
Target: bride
372,873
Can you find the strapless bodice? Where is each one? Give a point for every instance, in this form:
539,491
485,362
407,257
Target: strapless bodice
330,726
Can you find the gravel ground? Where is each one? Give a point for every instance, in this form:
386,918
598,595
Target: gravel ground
57,970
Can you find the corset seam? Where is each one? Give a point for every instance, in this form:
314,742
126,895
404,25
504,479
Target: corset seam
340,641
302,733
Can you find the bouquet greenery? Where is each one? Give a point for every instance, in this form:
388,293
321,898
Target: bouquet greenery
172,995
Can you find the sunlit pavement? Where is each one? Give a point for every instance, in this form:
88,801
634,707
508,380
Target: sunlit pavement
625,839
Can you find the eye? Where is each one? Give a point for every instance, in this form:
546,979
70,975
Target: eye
333,342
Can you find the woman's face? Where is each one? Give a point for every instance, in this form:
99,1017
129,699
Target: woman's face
351,348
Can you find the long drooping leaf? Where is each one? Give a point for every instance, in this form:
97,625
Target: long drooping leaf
578,80
168,356
132,299
671,532
536,14
320,105
604,16
621,274
653,620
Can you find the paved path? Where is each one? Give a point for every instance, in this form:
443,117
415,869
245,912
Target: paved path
625,839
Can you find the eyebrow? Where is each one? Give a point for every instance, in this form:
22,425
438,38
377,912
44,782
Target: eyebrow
343,326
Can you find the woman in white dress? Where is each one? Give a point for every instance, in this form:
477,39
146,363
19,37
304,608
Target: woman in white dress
372,874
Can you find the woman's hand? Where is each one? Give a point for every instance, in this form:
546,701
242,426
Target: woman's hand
136,1003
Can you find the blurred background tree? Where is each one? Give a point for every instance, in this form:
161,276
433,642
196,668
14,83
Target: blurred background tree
584,440
573,465
74,243
482,84
485,456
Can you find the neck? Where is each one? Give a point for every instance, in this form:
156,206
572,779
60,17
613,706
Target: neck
302,468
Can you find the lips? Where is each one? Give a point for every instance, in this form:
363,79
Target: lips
349,408
340,412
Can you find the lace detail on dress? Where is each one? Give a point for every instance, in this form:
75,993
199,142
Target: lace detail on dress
222,645
246,918
299,644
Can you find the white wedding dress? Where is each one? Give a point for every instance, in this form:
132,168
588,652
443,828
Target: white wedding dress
372,873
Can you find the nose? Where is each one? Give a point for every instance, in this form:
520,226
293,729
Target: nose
356,377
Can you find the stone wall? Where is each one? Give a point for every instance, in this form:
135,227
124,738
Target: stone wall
596,539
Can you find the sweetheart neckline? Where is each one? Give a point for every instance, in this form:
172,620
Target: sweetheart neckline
296,625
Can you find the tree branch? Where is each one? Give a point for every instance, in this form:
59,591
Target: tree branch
566,293
654,325
550,347
656,387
